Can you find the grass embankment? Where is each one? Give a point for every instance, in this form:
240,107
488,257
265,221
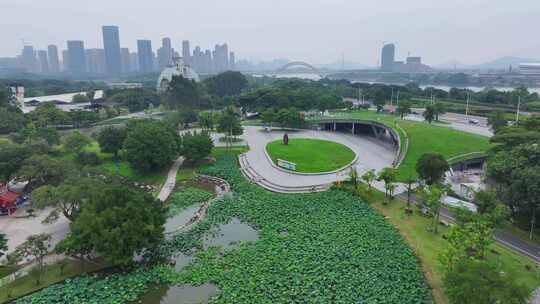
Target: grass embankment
311,155
52,274
428,246
425,138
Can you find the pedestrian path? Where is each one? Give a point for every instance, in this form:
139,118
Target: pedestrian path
170,183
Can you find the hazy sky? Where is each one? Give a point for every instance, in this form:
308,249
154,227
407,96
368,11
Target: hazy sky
316,31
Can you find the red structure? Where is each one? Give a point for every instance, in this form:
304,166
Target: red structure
8,200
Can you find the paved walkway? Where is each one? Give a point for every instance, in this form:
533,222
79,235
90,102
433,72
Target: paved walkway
372,154
18,227
168,187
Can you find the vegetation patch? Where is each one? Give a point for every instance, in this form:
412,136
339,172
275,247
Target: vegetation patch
318,248
311,155
185,198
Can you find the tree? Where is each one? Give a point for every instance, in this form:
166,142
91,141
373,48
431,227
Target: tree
290,118
11,119
478,282
111,140
75,142
269,116
229,123
117,223
369,177
196,146
182,117
35,247
11,159
431,167
67,198
47,114
388,176
403,108
206,120
182,93
432,200
151,144
135,99
409,182
438,109
517,174
429,114
379,103
41,170
497,121
3,244
226,84
353,176
80,98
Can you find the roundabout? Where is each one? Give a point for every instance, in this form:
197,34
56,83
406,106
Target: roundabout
312,156
256,165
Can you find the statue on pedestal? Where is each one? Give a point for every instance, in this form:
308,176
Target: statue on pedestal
286,139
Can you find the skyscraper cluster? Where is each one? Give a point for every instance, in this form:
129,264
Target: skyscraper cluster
114,60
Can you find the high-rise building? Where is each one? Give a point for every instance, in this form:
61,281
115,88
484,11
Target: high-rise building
208,63
165,54
111,43
221,58
146,56
28,59
232,61
54,62
134,62
126,61
96,61
76,57
65,60
388,55
43,61
186,52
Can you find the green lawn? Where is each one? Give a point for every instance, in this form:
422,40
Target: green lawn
311,155
425,138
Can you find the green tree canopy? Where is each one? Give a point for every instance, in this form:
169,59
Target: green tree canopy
196,146
429,114
478,282
431,167
182,93
228,83
12,157
75,142
229,123
111,139
151,144
117,223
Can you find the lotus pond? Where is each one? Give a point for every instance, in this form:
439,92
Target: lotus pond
311,248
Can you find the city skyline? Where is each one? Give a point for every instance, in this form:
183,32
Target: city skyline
313,31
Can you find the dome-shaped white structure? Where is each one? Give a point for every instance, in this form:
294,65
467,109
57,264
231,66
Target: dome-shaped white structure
178,69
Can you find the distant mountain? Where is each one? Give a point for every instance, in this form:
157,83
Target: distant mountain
504,62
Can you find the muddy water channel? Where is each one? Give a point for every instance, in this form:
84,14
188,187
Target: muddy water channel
226,236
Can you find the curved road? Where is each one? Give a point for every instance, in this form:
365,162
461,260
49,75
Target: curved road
372,154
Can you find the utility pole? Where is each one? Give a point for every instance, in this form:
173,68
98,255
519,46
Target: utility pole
392,98
517,110
397,99
467,108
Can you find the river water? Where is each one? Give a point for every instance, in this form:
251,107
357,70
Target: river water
312,76
227,236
